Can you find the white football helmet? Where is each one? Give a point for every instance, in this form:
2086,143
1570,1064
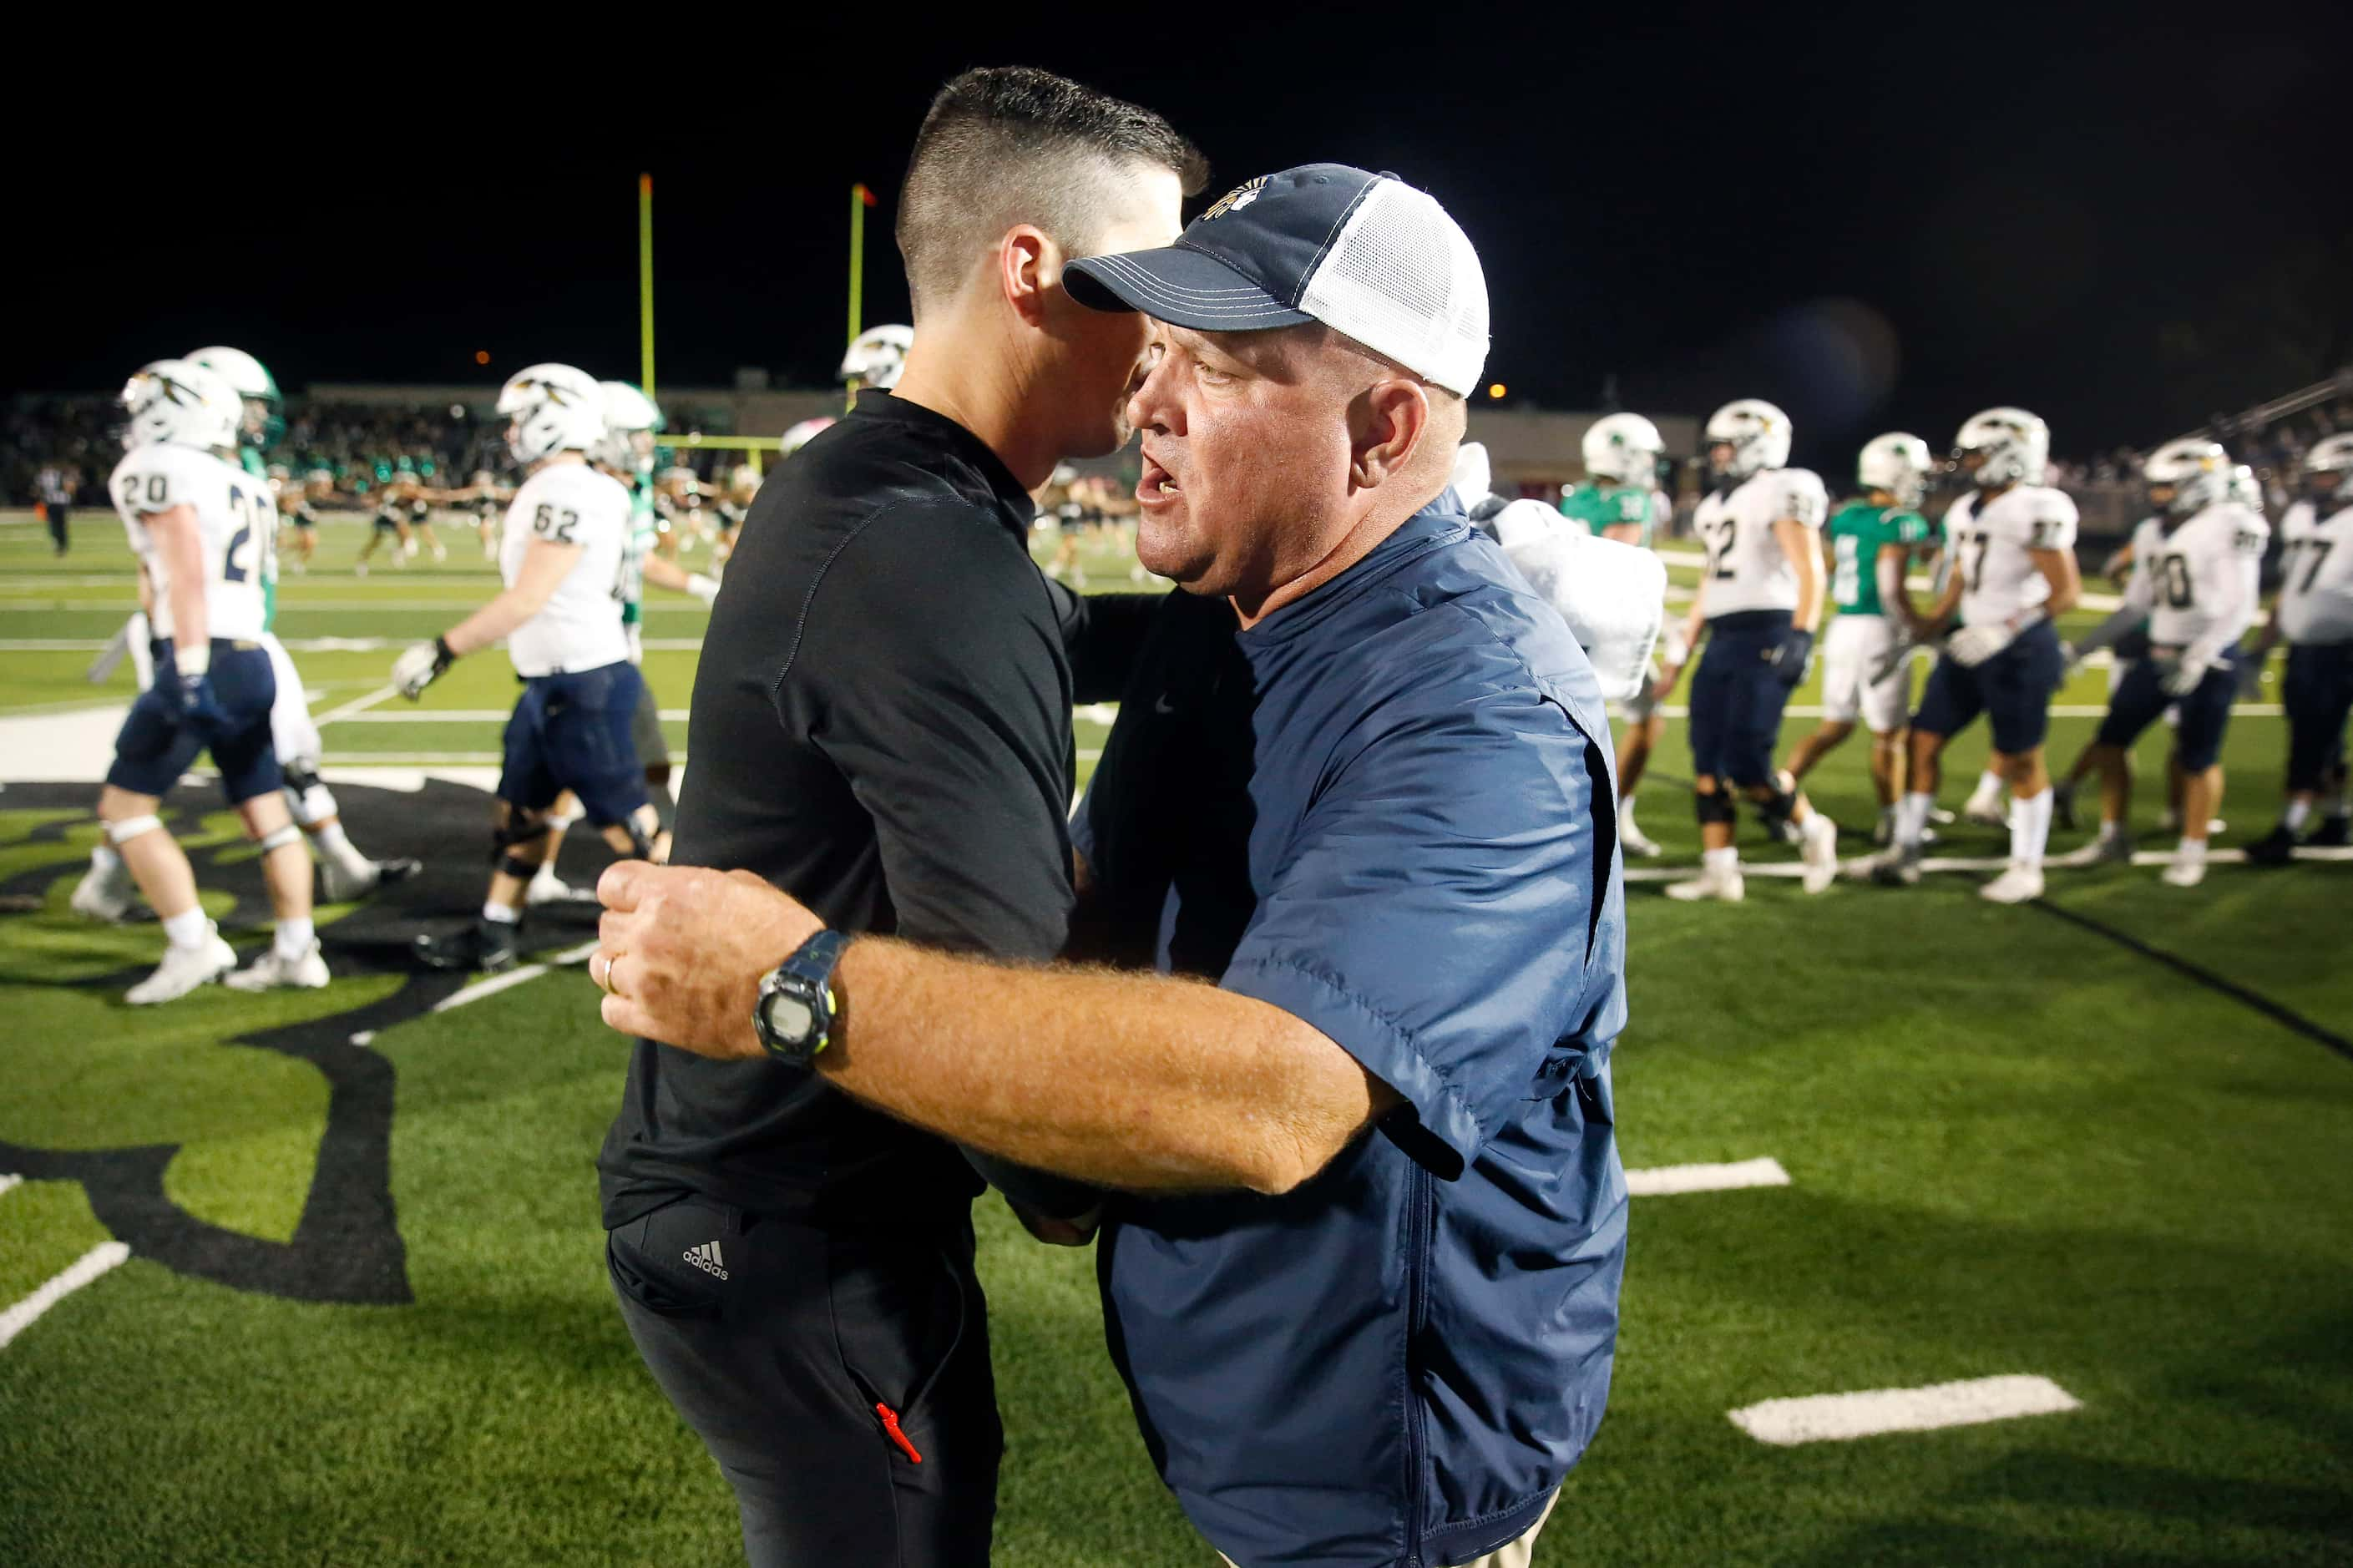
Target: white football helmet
179,403
2245,489
877,355
1897,463
551,408
1624,447
2192,473
2011,446
264,420
799,435
2333,456
1758,433
626,412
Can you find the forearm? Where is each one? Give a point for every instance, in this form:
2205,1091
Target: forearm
493,623
1808,614
185,571
1126,1081
2112,631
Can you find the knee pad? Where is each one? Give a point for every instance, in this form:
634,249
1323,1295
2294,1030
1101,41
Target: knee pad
1776,807
311,801
515,865
524,827
120,832
559,821
1714,806
289,834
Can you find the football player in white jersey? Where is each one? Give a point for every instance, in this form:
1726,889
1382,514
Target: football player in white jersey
561,557
2012,544
2194,582
2315,616
1759,604
199,525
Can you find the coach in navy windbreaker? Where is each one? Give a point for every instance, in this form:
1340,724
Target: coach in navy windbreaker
1361,1273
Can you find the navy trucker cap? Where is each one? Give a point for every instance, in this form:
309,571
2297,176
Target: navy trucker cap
1365,254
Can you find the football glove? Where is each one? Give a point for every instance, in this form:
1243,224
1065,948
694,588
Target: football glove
200,707
2182,676
1788,655
1972,646
704,588
419,666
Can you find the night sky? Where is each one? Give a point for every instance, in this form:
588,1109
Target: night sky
1877,219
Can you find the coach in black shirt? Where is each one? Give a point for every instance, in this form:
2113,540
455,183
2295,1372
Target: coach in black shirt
881,727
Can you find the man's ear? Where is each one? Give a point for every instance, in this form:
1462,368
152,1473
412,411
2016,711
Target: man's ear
1024,258
1388,423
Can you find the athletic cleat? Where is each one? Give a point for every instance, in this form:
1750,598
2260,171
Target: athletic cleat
487,946
547,888
1729,886
183,969
274,972
2063,806
100,896
1938,815
2334,833
2116,851
1897,866
1984,812
2185,872
440,553
2276,847
339,886
2016,885
1818,841
1631,840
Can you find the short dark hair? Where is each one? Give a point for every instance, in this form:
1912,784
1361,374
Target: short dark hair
1007,144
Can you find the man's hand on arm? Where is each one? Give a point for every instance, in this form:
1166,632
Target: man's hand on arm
1126,1081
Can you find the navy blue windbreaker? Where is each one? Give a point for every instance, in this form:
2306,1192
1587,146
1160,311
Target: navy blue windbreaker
1387,810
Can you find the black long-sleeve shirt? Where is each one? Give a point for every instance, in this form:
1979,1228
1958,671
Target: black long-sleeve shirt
881,728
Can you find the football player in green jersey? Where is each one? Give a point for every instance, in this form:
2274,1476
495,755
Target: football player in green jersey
1871,542
1619,499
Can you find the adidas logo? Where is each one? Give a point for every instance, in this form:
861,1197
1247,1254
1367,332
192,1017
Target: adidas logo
706,1257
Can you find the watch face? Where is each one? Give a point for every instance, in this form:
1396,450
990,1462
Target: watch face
789,1018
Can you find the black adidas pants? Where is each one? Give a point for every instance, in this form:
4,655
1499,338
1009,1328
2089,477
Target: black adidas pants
841,1378
58,517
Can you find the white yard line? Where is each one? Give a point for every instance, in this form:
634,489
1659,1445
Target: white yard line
512,978
358,705
105,1256
1664,1180
1837,1417
1792,868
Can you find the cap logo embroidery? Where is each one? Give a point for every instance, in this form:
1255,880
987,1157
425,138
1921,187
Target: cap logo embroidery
1235,200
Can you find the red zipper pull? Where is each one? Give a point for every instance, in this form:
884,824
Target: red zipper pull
890,1428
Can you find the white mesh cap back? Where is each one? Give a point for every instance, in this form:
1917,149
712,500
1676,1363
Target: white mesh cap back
1402,279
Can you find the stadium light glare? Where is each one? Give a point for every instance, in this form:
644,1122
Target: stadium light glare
481,356
1495,389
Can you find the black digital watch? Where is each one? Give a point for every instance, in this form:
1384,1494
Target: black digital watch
794,1010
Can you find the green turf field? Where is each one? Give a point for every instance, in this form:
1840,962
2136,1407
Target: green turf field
362,1320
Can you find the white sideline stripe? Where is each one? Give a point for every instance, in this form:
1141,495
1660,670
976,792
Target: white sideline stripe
2057,711
106,1254
1665,1180
1795,868
9,1181
1837,1417
356,705
507,982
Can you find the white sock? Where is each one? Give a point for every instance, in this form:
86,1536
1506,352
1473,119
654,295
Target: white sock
1625,812
337,846
1912,818
2110,831
106,862
1989,787
294,938
499,914
546,872
2030,827
2192,851
2299,812
189,927
1720,862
